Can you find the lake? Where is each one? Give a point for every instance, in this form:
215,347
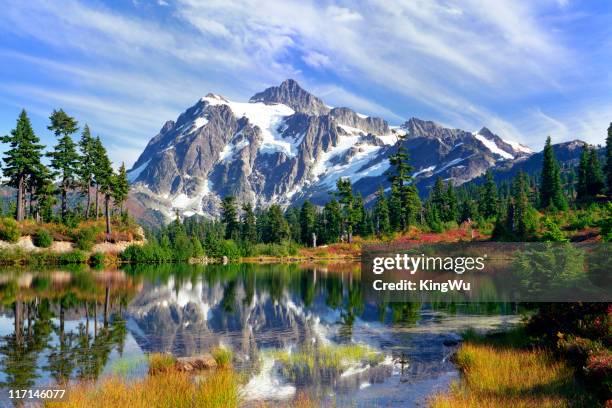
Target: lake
292,328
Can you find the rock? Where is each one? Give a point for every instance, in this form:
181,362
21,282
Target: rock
201,362
225,260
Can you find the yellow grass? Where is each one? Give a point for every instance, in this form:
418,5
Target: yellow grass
171,389
508,377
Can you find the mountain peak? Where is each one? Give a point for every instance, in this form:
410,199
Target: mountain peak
486,132
290,93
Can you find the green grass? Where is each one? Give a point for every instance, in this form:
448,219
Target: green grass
497,373
223,356
160,362
326,361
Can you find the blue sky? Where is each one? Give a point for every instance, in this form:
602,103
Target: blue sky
525,69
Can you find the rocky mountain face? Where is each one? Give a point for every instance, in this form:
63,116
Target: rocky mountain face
285,145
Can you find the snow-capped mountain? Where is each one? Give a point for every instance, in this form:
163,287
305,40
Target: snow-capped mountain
285,145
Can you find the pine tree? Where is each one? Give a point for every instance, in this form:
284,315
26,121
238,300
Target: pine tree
278,227
292,215
395,208
229,217
583,169
452,206
99,174
362,220
22,159
608,168
87,166
405,205
520,215
346,199
381,214
44,194
106,182
64,157
489,198
595,177
248,228
551,192
331,222
121,188
307,223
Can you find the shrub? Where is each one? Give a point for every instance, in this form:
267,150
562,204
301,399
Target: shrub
74,257
97,259
85,238
9,230
578,349
598,371
42,239
148,253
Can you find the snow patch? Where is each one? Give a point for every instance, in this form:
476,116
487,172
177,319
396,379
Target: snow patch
425,170
493,148
133,174
267,117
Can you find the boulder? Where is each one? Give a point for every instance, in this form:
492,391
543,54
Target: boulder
200,362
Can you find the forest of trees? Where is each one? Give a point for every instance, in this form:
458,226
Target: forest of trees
78,177
520,210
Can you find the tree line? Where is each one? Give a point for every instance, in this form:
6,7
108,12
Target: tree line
82,167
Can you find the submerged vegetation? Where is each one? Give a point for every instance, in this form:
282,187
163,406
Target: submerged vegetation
324,362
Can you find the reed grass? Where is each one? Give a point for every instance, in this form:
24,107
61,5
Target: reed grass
498,376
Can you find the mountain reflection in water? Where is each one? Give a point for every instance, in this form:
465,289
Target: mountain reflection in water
290,328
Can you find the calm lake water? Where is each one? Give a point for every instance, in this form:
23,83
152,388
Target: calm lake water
291,328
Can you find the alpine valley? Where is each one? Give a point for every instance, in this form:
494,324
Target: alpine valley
286,145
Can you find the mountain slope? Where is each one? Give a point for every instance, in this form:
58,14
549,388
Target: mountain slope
285,145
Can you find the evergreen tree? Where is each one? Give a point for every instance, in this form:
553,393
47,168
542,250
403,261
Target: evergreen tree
22,159
382,224
106,182
292,215
363,222
248,228
100,161
489,198
121,188
329,225
44,194
346,199
307,223
583,169
595,177
395,208
405,205
278,228
229,217
452,206
608,164
520,215
87,166
64,157
551,193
